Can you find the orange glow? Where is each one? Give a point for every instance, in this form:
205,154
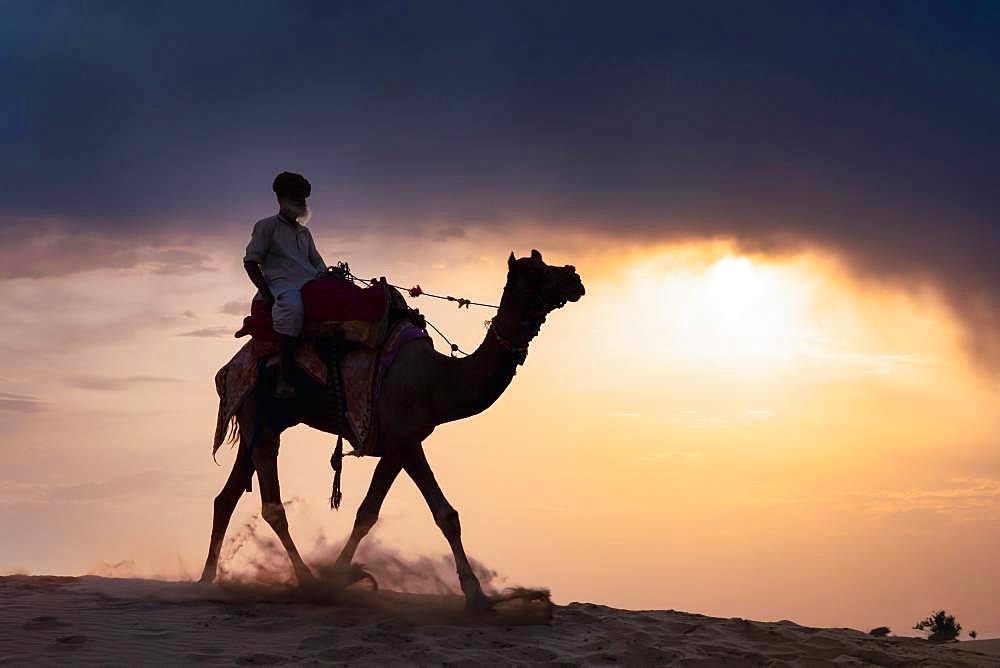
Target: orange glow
705,430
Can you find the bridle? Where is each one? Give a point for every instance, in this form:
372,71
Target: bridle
528,327
506,343
529,302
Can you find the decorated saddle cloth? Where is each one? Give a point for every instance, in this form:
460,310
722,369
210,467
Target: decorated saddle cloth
331,306
362,370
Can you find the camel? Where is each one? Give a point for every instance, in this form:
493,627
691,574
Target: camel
422,389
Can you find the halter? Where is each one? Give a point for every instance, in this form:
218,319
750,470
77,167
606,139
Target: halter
506,343
528,327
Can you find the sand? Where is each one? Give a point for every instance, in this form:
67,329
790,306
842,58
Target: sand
70,620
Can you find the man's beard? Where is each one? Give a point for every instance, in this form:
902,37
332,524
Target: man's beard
305,216
300,214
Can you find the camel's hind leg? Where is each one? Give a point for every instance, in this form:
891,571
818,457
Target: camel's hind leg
386,470
225,502
265,460
446,517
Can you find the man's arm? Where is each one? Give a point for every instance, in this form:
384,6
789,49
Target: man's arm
315,259
257,278
257,249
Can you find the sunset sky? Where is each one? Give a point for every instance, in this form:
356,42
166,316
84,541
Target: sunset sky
777,400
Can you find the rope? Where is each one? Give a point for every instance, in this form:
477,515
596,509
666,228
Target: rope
454,346
337,458
417,291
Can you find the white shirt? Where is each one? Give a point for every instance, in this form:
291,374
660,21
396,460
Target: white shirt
285,252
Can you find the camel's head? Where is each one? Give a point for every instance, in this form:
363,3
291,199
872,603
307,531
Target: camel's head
540,288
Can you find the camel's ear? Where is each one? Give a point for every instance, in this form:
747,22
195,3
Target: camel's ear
535,255
511,260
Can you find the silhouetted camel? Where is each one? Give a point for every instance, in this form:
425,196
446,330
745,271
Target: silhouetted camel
422,390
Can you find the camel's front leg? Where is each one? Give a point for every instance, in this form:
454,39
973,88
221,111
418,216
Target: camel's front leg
446,517
265,460
386,470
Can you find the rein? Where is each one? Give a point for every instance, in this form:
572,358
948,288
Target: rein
344,270
529,326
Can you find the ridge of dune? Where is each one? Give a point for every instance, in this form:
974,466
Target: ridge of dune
89,619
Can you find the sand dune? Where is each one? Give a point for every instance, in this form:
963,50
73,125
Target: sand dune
990,646
45,619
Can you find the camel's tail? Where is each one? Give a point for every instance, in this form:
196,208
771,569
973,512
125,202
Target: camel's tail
227,430
233,383
231,434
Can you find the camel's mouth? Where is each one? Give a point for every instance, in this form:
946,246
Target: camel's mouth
565,286
573,287
578,291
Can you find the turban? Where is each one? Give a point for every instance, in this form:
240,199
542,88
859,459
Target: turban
289,183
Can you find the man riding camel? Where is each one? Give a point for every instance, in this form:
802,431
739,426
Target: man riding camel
280,258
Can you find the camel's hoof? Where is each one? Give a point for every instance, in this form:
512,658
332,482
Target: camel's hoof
306,578
353,574
478,602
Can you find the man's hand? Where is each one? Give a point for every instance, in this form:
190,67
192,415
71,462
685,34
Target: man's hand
257,277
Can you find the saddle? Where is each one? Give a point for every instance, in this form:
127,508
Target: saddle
333,306
336,307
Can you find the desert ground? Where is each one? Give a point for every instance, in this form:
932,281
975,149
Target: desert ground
91,620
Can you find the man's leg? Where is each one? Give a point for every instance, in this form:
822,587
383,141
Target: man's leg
286,362
287,314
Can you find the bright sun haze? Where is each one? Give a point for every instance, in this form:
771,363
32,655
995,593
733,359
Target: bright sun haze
740,419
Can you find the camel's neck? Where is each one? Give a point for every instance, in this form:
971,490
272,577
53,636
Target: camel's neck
478,380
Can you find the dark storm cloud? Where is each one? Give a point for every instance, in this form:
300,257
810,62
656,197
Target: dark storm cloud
866,129
55,248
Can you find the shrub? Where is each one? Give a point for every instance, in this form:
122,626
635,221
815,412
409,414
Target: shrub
880,631
973,634
940,627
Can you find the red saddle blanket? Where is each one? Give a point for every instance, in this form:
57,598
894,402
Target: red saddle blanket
331,304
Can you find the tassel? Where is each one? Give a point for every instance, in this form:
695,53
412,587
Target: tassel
337,463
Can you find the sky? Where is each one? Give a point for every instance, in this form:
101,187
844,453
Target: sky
777,399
